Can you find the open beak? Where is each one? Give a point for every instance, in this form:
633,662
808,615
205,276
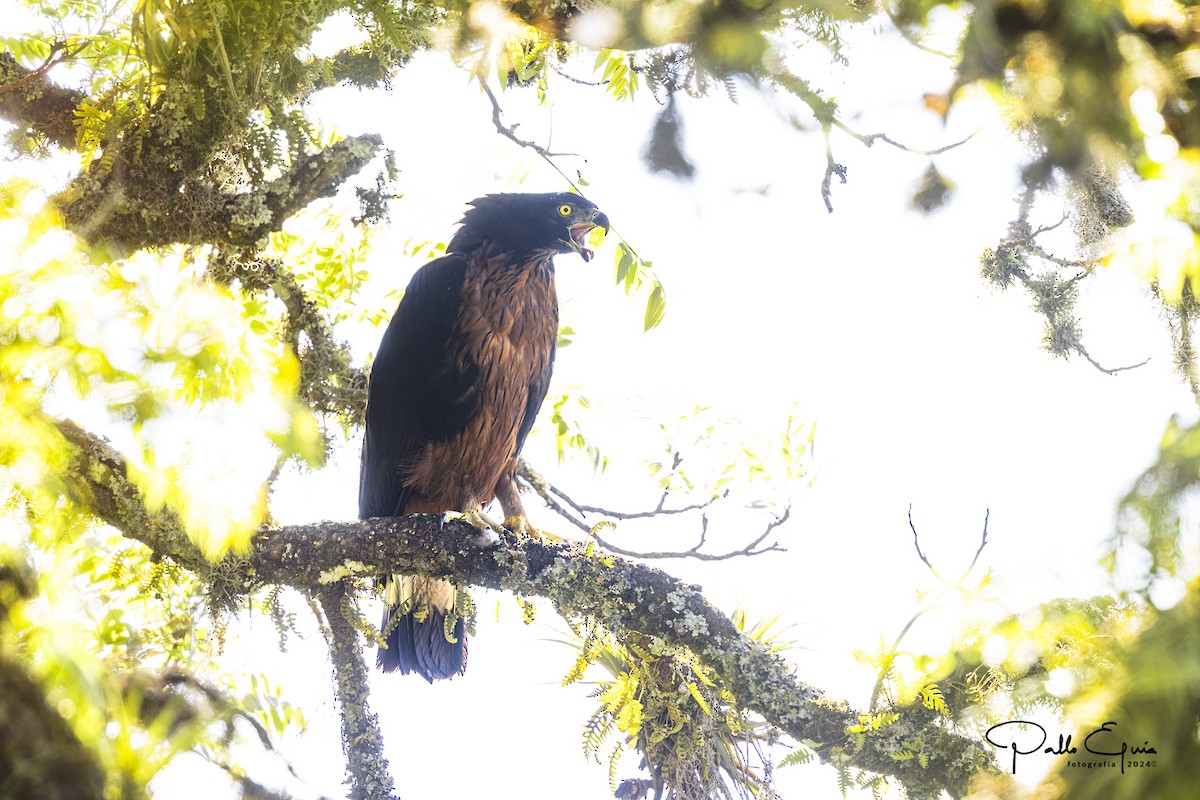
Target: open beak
580,234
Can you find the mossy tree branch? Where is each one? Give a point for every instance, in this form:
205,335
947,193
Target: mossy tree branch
36,104
362,741
152,186
620,594
131,206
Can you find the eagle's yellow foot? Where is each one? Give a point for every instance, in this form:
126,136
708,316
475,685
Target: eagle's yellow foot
522,529
489,529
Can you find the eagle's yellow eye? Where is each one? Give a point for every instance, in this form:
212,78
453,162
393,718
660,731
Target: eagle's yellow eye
565,209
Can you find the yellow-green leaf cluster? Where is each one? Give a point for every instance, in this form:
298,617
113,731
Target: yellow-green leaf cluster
691,731
637,276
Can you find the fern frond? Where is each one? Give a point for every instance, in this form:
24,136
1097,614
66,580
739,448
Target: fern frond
694,690
614,759
931,697
801,755
595,731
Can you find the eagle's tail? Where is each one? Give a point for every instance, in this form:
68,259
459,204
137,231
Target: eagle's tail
416,631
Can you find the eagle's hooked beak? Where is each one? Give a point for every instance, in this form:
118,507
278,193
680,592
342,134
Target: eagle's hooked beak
580,231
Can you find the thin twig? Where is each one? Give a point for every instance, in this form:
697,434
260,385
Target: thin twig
870,138
1022,237
544,487
832,168
987,513
942,593
509,131
658,511
694,552
1048,228
1062,262
1107,370
917,544
558,71
550,495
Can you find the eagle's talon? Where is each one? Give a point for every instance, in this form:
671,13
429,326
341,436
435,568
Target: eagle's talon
520,527
489,530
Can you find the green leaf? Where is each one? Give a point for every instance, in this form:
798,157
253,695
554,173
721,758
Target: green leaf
656,306
624,261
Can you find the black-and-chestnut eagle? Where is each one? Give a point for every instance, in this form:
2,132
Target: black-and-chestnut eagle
457,382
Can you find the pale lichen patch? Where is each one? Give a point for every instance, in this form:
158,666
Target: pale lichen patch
347,569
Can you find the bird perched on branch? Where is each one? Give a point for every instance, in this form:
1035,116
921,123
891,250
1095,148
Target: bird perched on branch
460,374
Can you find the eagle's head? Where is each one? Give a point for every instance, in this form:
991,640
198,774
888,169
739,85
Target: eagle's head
525,223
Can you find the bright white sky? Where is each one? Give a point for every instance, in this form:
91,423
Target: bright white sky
927,388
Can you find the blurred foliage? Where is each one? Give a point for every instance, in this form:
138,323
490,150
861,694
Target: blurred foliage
699,465
1072,665
1152,688
706,455
161,356
111,633
1104,94
1150,540
1040,659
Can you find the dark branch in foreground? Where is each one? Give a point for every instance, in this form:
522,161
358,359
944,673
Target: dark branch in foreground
40,755
621,595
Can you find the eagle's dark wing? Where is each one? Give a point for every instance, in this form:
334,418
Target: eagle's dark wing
417,392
